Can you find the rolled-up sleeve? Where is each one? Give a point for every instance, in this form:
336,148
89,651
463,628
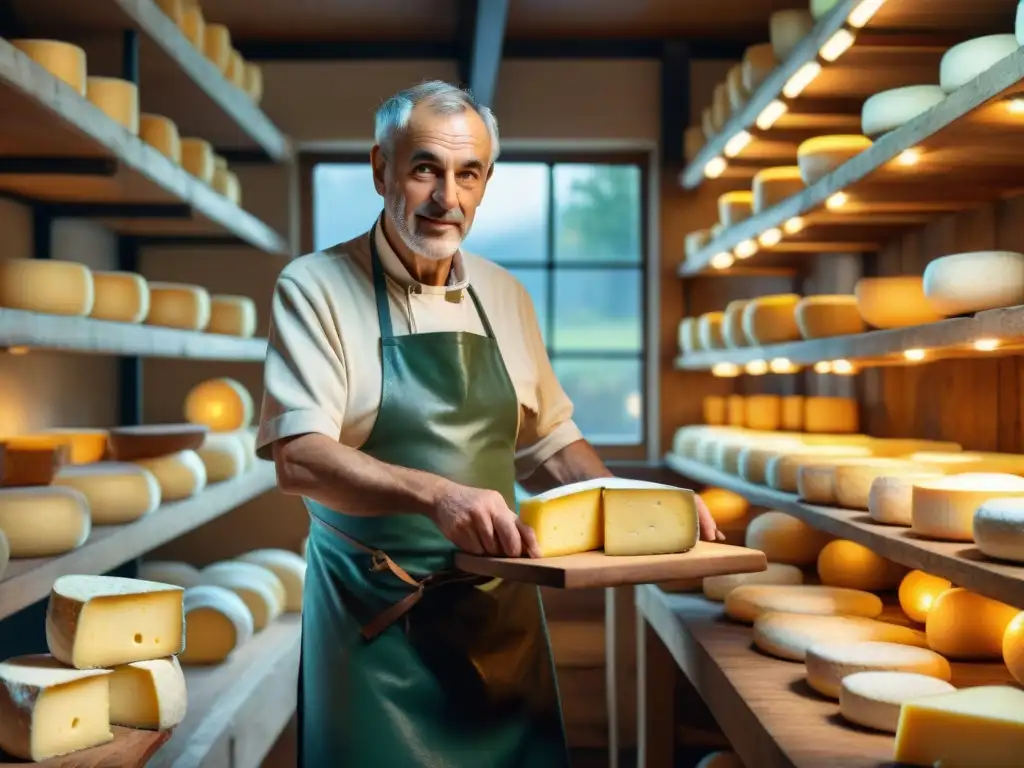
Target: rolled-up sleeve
305,383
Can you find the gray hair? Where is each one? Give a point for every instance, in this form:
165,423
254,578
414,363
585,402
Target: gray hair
443,98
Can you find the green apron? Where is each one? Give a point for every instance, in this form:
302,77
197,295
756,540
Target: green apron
405,661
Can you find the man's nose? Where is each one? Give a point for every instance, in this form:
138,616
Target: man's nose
446,192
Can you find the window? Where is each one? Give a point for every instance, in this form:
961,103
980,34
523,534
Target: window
573,234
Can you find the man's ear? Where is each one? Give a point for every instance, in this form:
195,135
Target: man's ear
378,162
490,172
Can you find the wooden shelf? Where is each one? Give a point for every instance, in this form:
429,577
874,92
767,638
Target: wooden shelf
236,710
111,175
771,717
175,79
28,581
959,562
130,749
104,337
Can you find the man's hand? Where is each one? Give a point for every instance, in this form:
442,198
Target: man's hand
480,522
708,529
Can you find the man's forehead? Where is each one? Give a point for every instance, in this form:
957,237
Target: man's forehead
444,134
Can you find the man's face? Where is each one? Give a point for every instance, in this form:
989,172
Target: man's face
434,180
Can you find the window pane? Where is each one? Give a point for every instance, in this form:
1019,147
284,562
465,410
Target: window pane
511,224
597,212
536,283
597,309
607,398
345,202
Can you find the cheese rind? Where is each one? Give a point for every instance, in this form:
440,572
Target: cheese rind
180,475
63,60
118,99
260,590
918,592
873,699
217,622
888,110
222,405
785,539
748,602
232,315
773,185
175,305
974,282
943,508
966,61
718,587
968,626
829,662
771,319
116,492
709,328
50,286
122,297
894,302
223,456
789,635
843,563
998,528
172,572
565,520
289,567
149,695
44,521
821,155
818,317
162,134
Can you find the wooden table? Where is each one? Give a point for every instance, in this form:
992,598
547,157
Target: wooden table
129,749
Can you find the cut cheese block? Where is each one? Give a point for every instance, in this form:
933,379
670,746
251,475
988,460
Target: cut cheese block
821,316
787,28
122,297
217,621
734,207
43,521
771,319
718,587
983,725
260,590
843,563
789,635
695,241
217,46
964,62
793,412
253,81
968,626
50,286
149,694
289,567
117,493
854,478
944,507
785,539
180,475
918,593
179,574
829,662
973,282
725,506
709,329
118,99
175,305
999,529
48,710
750,601
873,699
820,156
836,415
693,141
738,95
197,158
783,471
222,405
721,760
713,410
5,552
223,456
891,499
894,302
719,106
104,621
890,109
63,60
1013,647
232,315
821,8
758,63
193,25
764,412
162,134
84,446
732,324
773,185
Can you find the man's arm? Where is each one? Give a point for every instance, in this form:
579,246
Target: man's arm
577,461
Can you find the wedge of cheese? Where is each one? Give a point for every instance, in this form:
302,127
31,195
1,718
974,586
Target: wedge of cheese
149,695
217,622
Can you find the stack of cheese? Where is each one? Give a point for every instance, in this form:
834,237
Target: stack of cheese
225,408
113,645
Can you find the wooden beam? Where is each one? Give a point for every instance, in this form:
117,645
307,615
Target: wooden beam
481,34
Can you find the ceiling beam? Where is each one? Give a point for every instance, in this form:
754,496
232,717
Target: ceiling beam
481,38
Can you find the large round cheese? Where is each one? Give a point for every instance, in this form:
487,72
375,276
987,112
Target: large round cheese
217,621
748,602
968,626
162,134
713,409
789,635
973,282
223,456
181,475
1013,646
718,587
217,46
773,185
891,499
50,286
184,575
820,156
873,699
964,62
738,95
888,110
764,412
918,593
821,316
725,506
709,328
843,563
43,521
783,472
232,315
175,305
787,28
944,507
855,477
720,106
222,405
999,529
785,539
734,207
689,340
117,492
771,319
193,25
695,241
828,663
197,158
834,415
119,100
793,412
894,302
263,593
289,567
758,63
732,324
63,60
122,297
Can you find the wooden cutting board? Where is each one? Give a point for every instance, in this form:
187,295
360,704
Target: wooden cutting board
596,569
129,749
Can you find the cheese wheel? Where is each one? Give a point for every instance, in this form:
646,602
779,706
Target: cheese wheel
968,626
253,81
820,8
793,412
709,328
816,483
162,134
223,456
695,241
970,461
193,26
891,109
50,286
966,61
750,601
753,460
180,475
232,315
828,663
764,412
736,407
999,529
738,95
831,414
787,28
1013,647
944,507
821,316
119,100
217,46
175,305
718,587
789,635
732,324
785,539
854,478
873,699
843,563
894,302
973,282
44,521
148,695
179,574
117,493
771,319
197,158
260,590
734,207
899,447
783,472
820,156
122,297
725,506
773,185
174,9
217,621
721,760
918,593
236,70
891,499
687,335
85,446
289,567
707,124
713,408
63,60
5,552
758,63
226,183
222,405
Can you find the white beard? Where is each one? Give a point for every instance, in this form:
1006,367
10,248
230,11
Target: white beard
435,249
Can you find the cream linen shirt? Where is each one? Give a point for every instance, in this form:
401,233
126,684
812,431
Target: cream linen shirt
323,369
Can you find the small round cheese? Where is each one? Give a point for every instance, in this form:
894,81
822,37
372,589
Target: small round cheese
821,316
689,340
162,134
732,324
236,70
217,621
750,601
179,574
122,297
890,109
725,506
833,415
753,460
253,77
771,319
783,472
223,456
789,635
999,528
117,492
176,305
119,100
894,302
873,699
787,28
891,499
718,587
758,63
829,662
738,95
181,475
262,591
816,483
232,316
44,521
734,207
217,46
964,62
1013,646
855,477
967,626
973,282
843,563
773,185
695,241
49,286
63,60
289,567
709,328
785,539
713,409
918,593
193,26
820,156
943,508
197,158
721,760
222,405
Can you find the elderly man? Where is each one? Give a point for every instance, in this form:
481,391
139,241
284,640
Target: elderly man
407,386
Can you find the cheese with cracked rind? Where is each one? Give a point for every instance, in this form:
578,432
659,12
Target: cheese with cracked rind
873,699
819,156
149,695
718,587
968,626
49,286
785,539
999,529
44,521
888,110
289,567
65,61
771,319
918,592
964,62
789,635
180,475
260,590
787,28
734,207
773,185
854,478
964,283
843,563
943,508
829,662
709,328
894,302
184,575
117,492
748,602
819,317
217,622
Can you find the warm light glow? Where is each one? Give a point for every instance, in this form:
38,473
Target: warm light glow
757,367
837,45
837,201
725,370
909,157
17,350
794,225
986,345
770,114
737,144
801,79
842,368
918,592
782,365
914,354
746,249
862,14
715,167
823,366
722,260
770,237
1015,106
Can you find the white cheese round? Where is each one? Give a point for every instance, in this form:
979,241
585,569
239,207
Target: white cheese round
973,282
831,315
894,302
773,185
829,662
873,699
262,592
223,456
117,492
891,498
179,574
44,521
783,472
821,155
854,478
999,528
289,567
748,602
888,110
789,635
217,621
943,508
964,62
718,587
709,328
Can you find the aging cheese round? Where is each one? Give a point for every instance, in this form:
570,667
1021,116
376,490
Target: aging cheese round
725,506
732,324
758,63
783,472
217,621
785,539
184,575
771,319
44,521
894,302
753,459
836,415
734,207
709,327
787,28
122,297
855,477
843,563
943,508
695,241
873,699
222,405
821,316
119,100
253,77
828,663
773,185
236,70
174,9
918,593
816,482
891,499
738,95
967,626
750,601
973,282
176,305
891,109
820,156
232,315
259,588
764,412
289,567
217,46
117,492
689,340
63,60
713,409
193,25
197,158
1013,647
999,529
789,635
162,134
964,62
793,412
50,286
180,475
223,456
718,587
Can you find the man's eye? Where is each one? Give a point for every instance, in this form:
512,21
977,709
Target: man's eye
423,169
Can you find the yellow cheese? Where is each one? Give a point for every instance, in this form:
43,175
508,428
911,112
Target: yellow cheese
148,694
783,471
217,46
48,710
748,602
706,123
734,207
709,327
854,478
43,521
180,475
753,459
999,529
223,456
232,315
222,405
179,574
873,699
894,302
789,635
713,409
217,622
1013,647
289,567
943,508
122,297
836,415
5,552
821,8
738,95
829,662
174,9
965,283
566,520
969,461
226,183
787,28
193,26
63,60
732,324
116,492
771,319
966,61
918,593
197,158
764,412
50,286
718,587
162,134
719,106
785,539
260,590
965,625
821,316
725,506
891,499
175,305
85,446
253,81
118,99
843,563
983,725
104,621
773,185
758,63
688,339
890,109
236,70
693,138
793,413
820,156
